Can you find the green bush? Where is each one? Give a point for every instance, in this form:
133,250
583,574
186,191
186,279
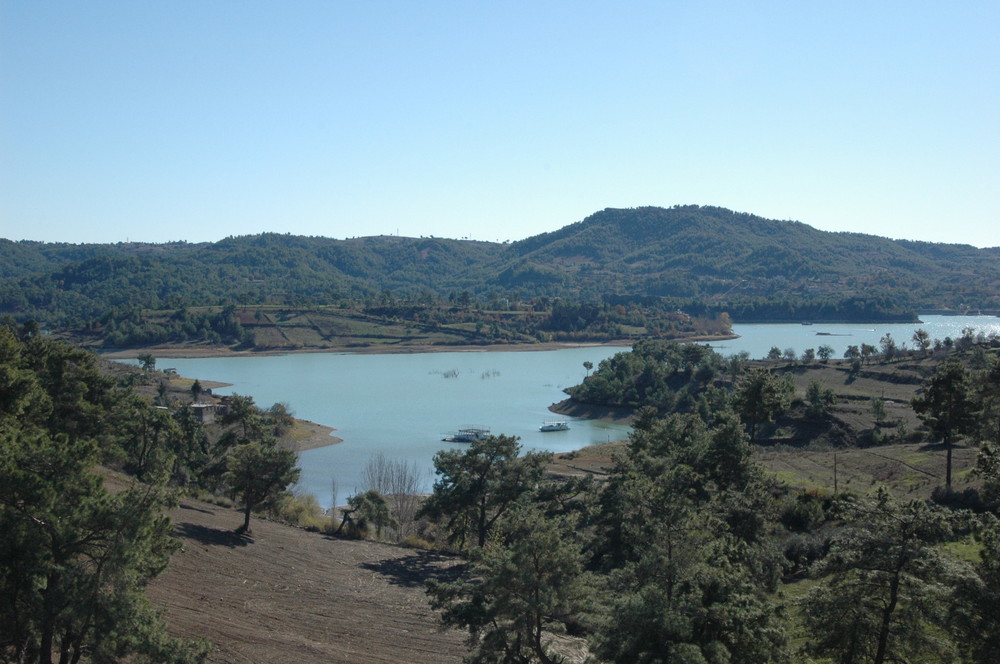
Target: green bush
802,513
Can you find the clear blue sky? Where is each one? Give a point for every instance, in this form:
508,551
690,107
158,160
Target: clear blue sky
160,121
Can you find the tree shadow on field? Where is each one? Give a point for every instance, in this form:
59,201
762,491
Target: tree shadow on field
212,536
416,569
188,506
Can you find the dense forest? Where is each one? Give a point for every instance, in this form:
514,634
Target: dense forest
703,261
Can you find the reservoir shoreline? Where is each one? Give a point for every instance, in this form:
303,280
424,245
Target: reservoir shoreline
402,404
204,352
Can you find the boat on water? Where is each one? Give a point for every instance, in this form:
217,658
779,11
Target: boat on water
559,425
468,434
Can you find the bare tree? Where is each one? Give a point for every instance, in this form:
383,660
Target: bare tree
400,482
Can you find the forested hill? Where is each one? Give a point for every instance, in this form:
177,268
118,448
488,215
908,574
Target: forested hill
704,260
744,263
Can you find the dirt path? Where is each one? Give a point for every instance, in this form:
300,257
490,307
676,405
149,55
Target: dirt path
291,596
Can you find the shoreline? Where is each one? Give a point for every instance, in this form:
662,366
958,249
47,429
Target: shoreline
303,435
309,435
592,412
202,352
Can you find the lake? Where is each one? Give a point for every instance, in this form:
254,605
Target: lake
757,339
404,404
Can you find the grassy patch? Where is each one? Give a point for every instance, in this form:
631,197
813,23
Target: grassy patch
910,470
967,549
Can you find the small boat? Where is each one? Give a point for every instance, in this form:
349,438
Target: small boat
468,434
560,425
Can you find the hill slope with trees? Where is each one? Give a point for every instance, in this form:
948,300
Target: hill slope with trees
755,268
703,260
688,549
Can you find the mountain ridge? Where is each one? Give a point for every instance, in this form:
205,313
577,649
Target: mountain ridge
704,259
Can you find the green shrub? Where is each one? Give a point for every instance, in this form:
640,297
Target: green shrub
803,549
803,513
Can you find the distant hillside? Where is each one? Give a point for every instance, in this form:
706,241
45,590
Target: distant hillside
704,260
754,268
66,285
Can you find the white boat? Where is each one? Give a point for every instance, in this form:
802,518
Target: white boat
559,425
468,434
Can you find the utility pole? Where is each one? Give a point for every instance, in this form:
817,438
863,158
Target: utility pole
834,474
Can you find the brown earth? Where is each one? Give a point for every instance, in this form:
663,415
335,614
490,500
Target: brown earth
202,350
205,350
306,435
596,460
291,596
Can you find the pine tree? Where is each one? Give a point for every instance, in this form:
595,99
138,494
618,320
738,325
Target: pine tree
681,535
75,559
885,590
528,577
760,397
948,407
478,486
258,475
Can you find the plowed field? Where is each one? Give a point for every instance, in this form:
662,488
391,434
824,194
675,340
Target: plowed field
287,595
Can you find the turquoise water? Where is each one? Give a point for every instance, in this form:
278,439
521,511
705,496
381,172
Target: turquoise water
403,405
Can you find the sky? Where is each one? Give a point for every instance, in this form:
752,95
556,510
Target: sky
496,121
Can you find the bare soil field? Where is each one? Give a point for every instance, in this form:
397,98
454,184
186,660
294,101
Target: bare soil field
286,595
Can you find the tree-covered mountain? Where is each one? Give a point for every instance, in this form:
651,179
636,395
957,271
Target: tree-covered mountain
704,260
73,285
755,268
